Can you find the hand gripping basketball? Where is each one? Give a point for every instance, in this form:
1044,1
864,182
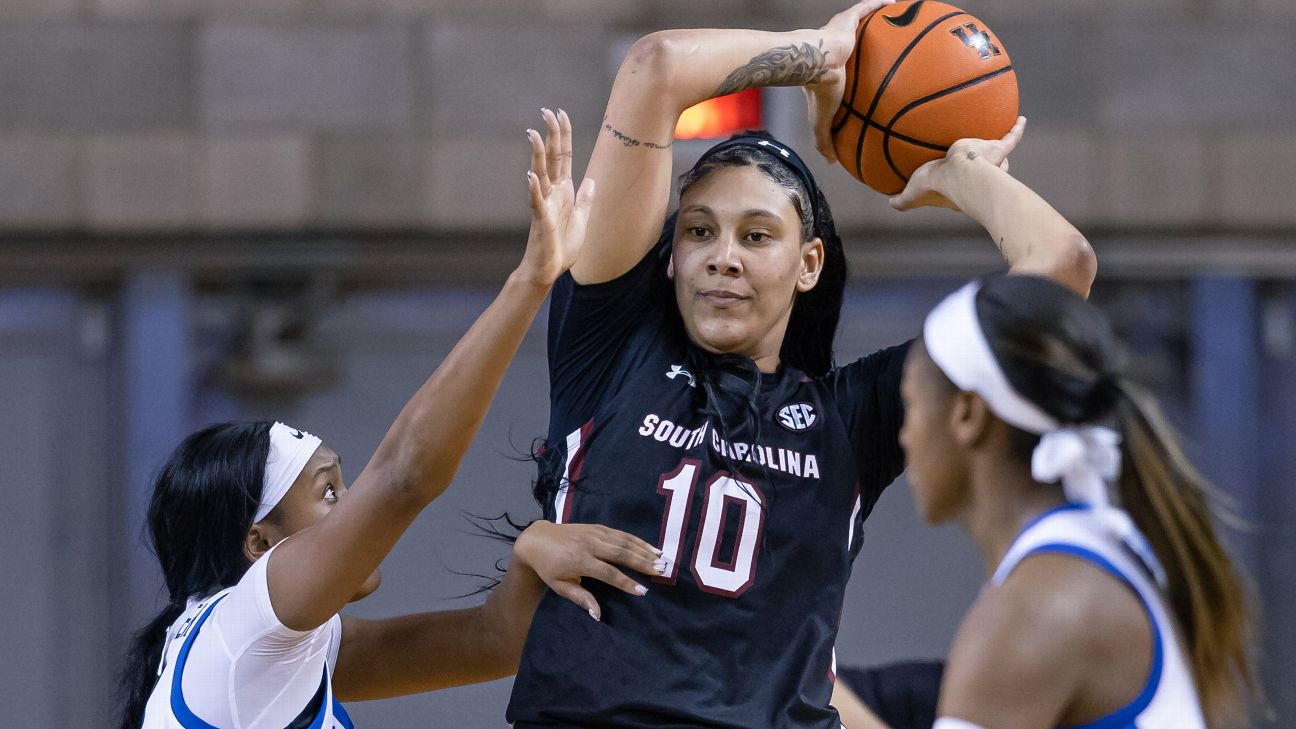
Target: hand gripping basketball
926,188
558,213
825,95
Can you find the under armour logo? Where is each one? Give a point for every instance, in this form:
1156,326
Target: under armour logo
677,371
780,150
974,37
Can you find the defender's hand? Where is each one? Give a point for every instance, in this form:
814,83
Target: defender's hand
558,214
562,554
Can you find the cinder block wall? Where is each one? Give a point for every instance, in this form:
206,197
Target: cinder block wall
146,115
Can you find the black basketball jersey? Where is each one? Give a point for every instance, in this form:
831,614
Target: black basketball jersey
755,486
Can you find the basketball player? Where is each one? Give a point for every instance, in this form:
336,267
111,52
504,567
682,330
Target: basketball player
261,542
695,404
1100,611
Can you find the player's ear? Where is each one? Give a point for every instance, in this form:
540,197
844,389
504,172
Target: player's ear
812,260
670,268
258,541
970,419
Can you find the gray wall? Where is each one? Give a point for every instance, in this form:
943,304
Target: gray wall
228,114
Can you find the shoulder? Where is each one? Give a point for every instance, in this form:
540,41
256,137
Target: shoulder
1035,642
1026,644
867,375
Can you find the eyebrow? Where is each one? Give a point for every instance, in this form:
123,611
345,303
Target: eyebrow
336,462
750,213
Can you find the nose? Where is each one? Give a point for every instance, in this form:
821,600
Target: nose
723,259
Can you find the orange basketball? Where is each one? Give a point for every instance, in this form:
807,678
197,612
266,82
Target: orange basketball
923,75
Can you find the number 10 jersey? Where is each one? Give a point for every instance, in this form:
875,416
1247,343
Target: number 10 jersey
754,486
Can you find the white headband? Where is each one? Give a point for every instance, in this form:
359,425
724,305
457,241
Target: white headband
1083,457
290,448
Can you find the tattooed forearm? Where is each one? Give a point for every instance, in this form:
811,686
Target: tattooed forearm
794,65
630,141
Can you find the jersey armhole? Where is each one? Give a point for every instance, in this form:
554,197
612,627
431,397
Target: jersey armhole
1124,716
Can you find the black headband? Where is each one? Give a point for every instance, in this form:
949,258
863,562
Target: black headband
778,151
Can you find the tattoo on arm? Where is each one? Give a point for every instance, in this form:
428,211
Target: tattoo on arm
630,141
972,155
794,65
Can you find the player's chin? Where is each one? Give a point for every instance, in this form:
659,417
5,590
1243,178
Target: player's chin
371,584
719,335
929,507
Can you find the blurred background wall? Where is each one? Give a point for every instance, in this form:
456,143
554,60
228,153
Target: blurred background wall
216,209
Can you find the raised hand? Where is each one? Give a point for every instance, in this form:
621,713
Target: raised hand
558,214
562,554
928,187
825,94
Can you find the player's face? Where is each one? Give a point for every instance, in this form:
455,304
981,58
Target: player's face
936,468
317,490
739,261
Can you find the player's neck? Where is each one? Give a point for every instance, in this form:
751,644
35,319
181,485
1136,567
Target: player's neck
768,363
1004,498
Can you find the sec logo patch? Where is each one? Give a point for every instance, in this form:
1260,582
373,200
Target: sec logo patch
797,416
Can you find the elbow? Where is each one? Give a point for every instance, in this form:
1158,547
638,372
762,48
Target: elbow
1076,264
652,54
410,484
649,63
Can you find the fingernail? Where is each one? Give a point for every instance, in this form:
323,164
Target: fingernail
660,566
594,615
656,551
641,590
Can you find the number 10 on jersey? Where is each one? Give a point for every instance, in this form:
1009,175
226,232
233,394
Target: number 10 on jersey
713,572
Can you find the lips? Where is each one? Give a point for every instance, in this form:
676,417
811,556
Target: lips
721,299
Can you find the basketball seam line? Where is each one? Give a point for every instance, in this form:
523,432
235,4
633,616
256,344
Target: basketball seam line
902,137
887,131
877,96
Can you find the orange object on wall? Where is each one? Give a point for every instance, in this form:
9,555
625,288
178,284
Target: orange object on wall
722,116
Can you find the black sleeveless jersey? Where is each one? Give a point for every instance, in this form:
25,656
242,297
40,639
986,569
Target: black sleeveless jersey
755,486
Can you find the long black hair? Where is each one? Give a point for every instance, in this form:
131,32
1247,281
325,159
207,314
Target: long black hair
1061,353
204,499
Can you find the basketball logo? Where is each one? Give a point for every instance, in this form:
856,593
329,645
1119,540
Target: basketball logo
797,417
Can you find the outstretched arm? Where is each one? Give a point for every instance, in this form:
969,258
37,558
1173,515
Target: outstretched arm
429,651
664,74
1031,235
320,569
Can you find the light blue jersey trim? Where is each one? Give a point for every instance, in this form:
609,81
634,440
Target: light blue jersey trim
1124,717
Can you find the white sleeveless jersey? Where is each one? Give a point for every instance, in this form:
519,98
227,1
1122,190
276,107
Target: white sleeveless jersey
1168,699
228,663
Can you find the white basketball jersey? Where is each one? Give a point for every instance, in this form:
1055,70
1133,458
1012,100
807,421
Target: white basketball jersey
247,670
1168,699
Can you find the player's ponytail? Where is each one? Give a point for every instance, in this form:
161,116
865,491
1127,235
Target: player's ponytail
1060,352
1170,502
203,502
